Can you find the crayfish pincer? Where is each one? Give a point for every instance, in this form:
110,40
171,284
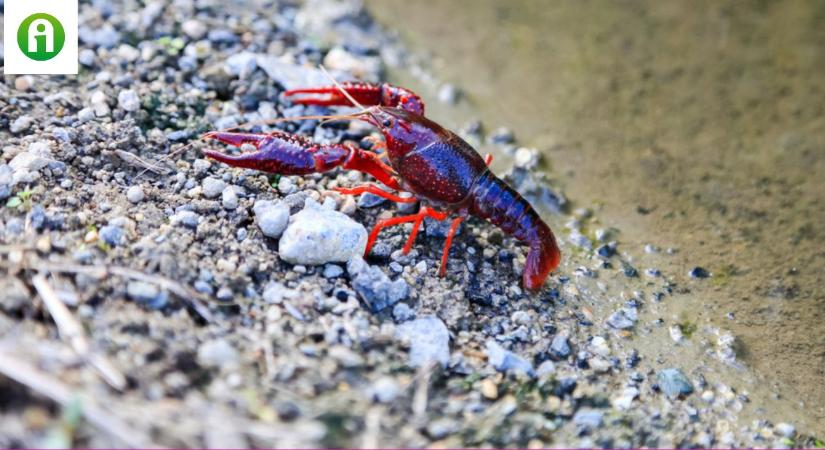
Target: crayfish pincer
421,157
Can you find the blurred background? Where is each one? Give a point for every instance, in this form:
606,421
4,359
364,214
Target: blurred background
692,125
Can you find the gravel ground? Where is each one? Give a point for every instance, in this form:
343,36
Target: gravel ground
145,285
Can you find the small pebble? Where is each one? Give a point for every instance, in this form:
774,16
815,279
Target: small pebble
112,235
698,272
128,100
229,198
135,194
489,389
448,94
271,217
674,383
212,187
333,271
385,390
559,347
21,124
429,340
402,312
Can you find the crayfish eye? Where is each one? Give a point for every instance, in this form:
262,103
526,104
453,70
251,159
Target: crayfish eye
386,123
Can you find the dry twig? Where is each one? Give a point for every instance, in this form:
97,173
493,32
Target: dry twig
72,332
179,290
134,160
48,386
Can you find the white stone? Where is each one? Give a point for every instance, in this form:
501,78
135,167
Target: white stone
316,235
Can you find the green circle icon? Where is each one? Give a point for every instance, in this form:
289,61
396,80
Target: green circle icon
41,37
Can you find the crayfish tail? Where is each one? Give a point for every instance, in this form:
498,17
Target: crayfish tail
492,199
543,257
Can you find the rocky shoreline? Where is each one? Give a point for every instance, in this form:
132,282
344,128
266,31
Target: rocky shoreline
227,308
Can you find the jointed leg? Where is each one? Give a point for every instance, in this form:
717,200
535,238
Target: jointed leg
449,242
418,217
371,163
375,190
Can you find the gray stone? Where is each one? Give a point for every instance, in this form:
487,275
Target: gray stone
385,390
188,219
112,235
623,319
674,383
367,200
506,361
21,124
87,57
436,228
212,187
317,235
374,286
128,100
429,340
588,418
6,181
193,28
103,36
448,94
559,347
135,194
333,271
441,428
29,161
274,293
241,64
201,166
402,312
786,430
147,294
217,353
271,217
61,134
15,295
229,198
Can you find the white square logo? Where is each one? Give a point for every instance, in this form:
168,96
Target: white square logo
40,36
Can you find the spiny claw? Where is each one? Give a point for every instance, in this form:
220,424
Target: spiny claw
279,152
237,139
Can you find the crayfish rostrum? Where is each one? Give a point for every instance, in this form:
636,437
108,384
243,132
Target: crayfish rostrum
422,158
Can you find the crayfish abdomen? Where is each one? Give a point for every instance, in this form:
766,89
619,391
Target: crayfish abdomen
493,200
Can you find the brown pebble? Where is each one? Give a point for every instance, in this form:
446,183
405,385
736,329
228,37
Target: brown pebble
489,389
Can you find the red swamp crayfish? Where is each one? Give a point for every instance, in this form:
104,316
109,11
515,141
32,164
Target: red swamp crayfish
432,163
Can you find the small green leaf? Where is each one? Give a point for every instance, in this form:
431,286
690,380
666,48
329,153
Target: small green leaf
14,202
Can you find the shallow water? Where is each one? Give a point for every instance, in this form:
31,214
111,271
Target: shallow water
694,126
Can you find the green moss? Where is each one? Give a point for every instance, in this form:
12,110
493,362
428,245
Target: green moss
686,327
23,200
722,276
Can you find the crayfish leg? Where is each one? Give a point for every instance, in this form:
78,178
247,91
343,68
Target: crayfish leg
442,270
371,163
368,94
417,218
375,190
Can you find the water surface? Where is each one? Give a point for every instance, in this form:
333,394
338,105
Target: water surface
692,125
